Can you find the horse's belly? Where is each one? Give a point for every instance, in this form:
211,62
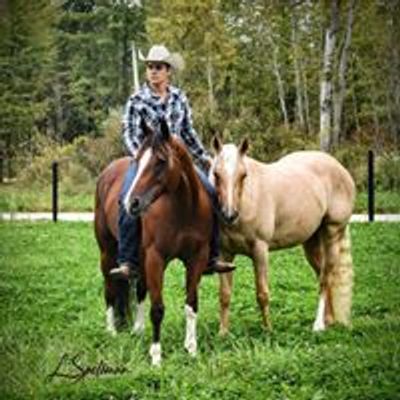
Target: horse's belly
292,233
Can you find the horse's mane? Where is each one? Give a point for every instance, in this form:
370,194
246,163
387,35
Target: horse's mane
159,141
187,166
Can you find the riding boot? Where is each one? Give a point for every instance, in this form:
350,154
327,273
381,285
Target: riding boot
128,234
215,265
128,246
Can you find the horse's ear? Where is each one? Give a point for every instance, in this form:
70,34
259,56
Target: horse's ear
216,144
244,146
165,134
146,130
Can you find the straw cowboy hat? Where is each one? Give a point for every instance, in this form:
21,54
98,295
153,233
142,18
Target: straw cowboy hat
160,53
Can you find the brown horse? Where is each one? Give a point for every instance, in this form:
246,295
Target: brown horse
304,198
176,222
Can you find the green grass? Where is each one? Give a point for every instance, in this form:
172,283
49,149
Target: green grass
16,198
51,304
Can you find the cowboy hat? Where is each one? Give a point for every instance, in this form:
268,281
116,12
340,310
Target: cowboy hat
161,54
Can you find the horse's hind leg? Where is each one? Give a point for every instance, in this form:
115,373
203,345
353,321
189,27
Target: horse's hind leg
110,293
141,291
260,259
116,294
314,251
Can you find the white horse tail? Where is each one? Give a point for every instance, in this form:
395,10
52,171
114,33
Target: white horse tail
342,281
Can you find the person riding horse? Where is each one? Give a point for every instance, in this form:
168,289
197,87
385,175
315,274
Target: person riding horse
157,99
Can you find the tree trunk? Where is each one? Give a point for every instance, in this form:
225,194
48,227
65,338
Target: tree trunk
340,93
308,123
325,130
394,78
211,97
279,81
135,68
297,70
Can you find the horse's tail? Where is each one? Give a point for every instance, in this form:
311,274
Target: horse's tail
342,282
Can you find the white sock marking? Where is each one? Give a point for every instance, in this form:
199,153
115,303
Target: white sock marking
140,318
190,340
319,324
110,321
142,165
155,354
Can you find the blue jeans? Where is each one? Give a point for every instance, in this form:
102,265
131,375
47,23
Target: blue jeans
129,227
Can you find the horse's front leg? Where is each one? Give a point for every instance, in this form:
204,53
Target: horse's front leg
193,276
260,259
154,267
225,292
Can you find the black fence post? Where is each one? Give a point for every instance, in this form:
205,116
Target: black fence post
54,169
371,187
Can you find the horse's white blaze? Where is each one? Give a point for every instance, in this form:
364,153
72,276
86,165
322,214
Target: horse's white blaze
110,320
144,160
155,354
190,339
139,321
319,324
230,157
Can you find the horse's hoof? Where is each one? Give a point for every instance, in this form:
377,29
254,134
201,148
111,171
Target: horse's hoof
191,348
138,329
155,354
223,332
319,326
112,331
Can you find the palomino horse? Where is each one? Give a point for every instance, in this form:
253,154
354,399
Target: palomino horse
304,198
176,222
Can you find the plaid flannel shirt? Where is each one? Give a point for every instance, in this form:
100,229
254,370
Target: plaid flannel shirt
175,110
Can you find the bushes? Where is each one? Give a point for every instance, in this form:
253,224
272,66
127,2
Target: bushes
80,162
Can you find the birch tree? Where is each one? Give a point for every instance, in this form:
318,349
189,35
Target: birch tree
340,92
327,77
297,70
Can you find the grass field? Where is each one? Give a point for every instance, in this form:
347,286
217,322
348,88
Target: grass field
52,305
16,198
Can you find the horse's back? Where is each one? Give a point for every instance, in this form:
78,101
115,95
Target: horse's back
334,185
108,188
287,200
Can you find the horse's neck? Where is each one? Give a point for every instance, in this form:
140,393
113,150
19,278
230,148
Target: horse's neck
189,184
254,190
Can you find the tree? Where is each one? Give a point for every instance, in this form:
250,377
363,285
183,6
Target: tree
196,29
26,53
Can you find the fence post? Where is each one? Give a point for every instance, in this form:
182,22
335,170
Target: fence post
371,187
54,169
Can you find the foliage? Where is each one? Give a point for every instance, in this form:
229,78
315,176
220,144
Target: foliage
52,304
66,67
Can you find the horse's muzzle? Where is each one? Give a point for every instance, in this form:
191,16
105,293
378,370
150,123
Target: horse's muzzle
230,217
